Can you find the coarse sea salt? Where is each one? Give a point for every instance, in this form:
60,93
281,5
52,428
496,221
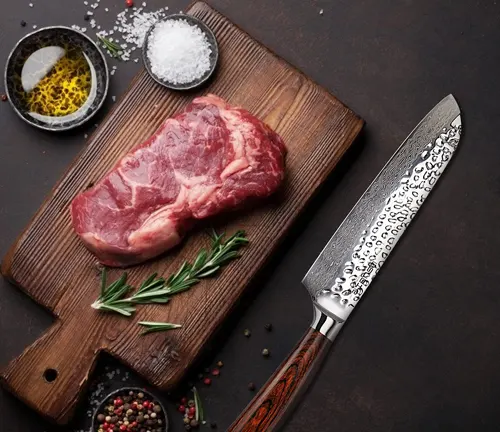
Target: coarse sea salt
179,52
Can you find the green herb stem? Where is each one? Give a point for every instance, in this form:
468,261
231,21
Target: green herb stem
153,327
156,289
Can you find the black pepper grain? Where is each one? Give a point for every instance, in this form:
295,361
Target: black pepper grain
86,17
101,418
23,23
268,327
251,386
213,425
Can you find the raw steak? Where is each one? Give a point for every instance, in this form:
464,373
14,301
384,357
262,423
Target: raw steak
208,158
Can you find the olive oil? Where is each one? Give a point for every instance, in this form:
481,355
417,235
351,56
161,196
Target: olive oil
57,82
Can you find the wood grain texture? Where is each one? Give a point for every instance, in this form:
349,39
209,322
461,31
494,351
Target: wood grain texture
52,266
279,395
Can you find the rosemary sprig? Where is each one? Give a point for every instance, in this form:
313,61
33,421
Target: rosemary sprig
114,48
109,298
200,415
152,327
159,290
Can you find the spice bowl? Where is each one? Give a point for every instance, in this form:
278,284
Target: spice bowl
132,409
56,78
201,73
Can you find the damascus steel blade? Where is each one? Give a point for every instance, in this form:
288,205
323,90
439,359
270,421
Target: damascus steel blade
353,256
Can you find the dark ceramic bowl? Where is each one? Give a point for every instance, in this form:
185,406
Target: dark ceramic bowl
125,390
214,55
56,37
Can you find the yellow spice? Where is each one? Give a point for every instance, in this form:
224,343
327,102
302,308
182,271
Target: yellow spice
64,90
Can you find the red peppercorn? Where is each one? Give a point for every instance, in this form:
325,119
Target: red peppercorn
207,381
216,372
192,410
190,416
129,3
4,98
134,405
118,411
133,424
105,426
123,428
182,409
146,404
184,400
118,402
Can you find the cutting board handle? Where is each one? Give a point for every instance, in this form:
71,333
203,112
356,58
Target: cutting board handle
266,411
46,380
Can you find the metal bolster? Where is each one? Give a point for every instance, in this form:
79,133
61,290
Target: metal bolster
327,324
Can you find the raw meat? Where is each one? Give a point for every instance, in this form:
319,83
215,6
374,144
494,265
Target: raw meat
208,158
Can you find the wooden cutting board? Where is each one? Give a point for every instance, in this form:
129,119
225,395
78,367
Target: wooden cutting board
50,263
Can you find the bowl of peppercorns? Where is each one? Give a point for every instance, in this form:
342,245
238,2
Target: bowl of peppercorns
130,409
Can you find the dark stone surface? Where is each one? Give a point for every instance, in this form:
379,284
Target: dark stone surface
422,351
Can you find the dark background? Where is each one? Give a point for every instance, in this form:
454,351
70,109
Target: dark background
422,351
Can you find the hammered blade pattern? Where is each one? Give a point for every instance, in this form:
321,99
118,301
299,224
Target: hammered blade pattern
382,228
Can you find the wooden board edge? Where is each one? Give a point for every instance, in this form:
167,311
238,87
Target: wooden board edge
280,59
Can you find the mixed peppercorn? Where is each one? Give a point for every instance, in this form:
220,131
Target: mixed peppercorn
131,412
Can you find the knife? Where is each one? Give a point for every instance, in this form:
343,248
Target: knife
349,262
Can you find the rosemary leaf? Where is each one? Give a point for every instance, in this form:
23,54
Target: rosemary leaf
152,327
156,289
200,415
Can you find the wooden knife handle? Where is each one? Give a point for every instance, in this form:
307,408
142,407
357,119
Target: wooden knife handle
266,411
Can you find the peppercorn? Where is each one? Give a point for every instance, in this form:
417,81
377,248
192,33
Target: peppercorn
129,412
251,386
140,395
187,427
157,409
216,372
108,419
247,333
129,3
207,381
153,415
213,425
4,98
86,17
268,327
181,409
186,420
194,424
200,376
191,403
265,352
140,418
220,364
101,418
131,393
23,23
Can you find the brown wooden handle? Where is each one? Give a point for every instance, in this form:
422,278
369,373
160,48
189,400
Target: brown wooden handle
46,379
266,411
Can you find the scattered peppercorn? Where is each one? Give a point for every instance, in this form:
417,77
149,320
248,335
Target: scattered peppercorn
251,386
220,364
213,425
129,3
191,403
101,418
86,17
265,352
247,333
4,98
200,376
194,424
216,372
207,381
187,427
23,23
268,327
184,401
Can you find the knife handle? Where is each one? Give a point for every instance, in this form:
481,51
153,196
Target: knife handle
266,412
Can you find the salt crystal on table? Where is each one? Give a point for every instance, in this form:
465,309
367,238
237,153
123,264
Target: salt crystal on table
179,52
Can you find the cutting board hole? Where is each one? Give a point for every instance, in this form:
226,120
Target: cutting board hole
50,375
